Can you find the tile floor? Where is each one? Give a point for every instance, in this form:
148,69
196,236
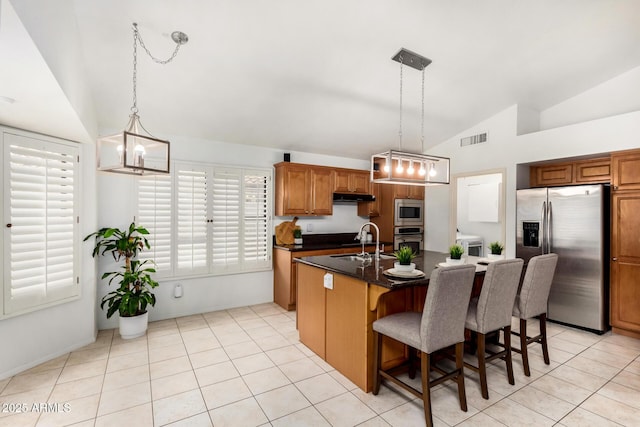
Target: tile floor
246,367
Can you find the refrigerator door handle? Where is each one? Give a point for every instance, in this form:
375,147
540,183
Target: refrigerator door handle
549,222
543,214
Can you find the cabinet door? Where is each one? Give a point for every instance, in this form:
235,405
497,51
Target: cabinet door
593,171
625,261
626,171
371,209
312,308
401,191
560,174
296,189
321,191
341,181
359,182
416,192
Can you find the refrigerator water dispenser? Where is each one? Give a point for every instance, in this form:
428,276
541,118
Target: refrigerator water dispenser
531,234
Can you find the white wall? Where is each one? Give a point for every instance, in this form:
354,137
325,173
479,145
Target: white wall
116,207
505,150
32,338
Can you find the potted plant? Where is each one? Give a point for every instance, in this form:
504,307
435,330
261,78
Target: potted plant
134,280
496,250
455,254
404,255
297,236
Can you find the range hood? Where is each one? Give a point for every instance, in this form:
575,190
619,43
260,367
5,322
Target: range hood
352,197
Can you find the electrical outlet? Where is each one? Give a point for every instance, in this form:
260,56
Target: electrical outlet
309,227
328,281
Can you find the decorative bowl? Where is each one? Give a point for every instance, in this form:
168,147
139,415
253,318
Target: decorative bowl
408,268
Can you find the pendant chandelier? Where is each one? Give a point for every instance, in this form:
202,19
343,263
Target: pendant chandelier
403,167
134,150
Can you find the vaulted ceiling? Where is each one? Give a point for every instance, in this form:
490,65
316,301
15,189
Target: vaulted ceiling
317,76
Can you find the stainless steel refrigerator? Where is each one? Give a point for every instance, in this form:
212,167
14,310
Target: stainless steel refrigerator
574,223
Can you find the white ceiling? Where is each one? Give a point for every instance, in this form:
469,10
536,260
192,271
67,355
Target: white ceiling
317,76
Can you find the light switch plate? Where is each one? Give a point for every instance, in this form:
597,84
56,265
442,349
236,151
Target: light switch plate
328,281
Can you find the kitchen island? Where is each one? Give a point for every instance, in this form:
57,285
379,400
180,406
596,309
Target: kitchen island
339,298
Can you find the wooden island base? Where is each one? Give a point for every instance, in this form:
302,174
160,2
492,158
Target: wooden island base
337,323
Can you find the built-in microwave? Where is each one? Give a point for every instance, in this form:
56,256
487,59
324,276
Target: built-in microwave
409,212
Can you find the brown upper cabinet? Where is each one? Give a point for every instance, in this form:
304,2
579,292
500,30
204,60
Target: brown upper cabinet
401,191
569,173
372,209
351,181
303,190
626,170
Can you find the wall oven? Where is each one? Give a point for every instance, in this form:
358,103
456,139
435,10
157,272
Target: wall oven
408,212
412,237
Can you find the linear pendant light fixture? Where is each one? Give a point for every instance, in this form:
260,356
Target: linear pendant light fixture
134,150
402,167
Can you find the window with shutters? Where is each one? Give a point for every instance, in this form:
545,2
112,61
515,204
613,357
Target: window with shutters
155,214
220,216
40,211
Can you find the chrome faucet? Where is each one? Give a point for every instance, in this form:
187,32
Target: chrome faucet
377,255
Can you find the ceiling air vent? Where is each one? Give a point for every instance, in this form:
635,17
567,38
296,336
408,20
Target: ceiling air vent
474,139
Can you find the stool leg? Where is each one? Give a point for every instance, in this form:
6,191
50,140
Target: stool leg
482,365
425,368
507,358
377,350
543,332
412,362
523,346
462,395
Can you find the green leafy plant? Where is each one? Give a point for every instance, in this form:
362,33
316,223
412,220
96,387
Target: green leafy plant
496,248
456,251
404,255
134,280
297,233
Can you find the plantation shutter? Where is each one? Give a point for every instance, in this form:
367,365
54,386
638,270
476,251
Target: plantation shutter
191,224
226,215
154,214
41,192
256,219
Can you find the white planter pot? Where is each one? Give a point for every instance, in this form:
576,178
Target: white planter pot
408,268
133,327
455,261
297,240
495,256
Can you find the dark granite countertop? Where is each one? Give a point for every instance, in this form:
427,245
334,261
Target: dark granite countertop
372,272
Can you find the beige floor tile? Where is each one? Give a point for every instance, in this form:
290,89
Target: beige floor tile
556,342
277,319
128,348
84,356
170,366
208,357
84,370
242,349
581,418
215,373
71,412
304,349
3,384
324,365
474,393
617,360
578,377
225,392
587,365
124,398
628,379
196,345
195,324
248,324
22,419
622,341
168,352
117,363
446,405
617,349
579,337
233,338
309,417
612,410
76,389
58,362
178,407
19,401
139,416
165,340
226,328
409,414
26,382
267,309
562,389
162,324
262,332
301,369
242,313
633,367
134,342
622,393
511,413
245,413
256,362
374,422
282,401
262,381
173,384
555,355
345,410
197,334
320,388
542,402
200,420
480,420
287,354
125,377
272,342
346,382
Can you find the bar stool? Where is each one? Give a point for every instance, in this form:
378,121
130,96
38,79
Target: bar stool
532,301
439,326
491,312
